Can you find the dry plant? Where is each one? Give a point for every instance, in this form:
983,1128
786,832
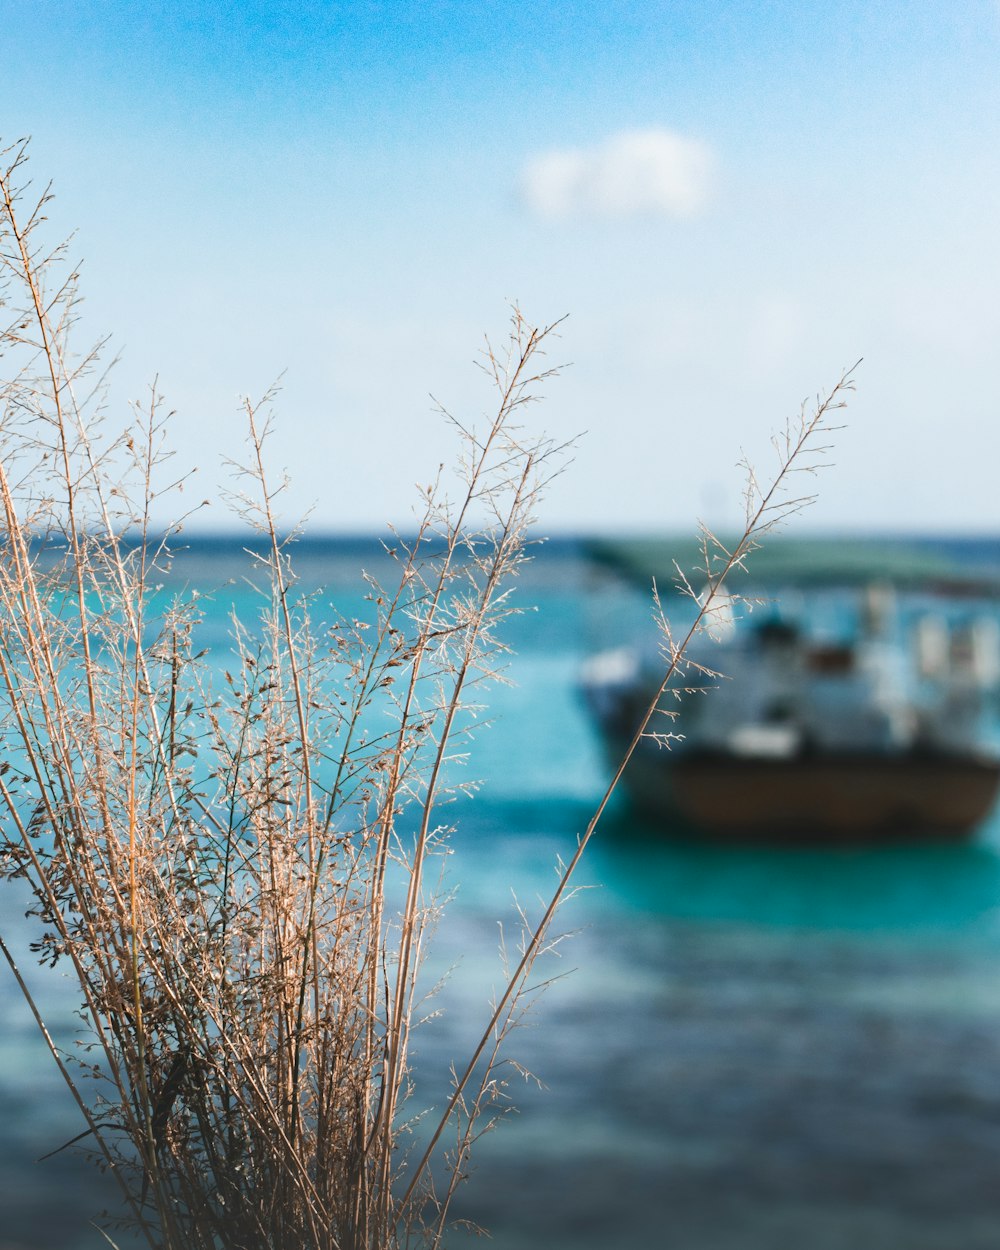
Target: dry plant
240,873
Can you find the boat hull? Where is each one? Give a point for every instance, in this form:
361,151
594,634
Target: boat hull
851,798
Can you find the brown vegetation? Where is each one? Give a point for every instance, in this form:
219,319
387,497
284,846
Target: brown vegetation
240,873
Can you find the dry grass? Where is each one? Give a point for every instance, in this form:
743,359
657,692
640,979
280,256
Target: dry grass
240,874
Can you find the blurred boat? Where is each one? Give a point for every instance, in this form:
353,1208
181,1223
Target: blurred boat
852,705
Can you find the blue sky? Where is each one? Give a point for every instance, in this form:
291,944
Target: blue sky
732,202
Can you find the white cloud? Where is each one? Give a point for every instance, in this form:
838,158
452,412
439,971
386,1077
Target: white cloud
638,173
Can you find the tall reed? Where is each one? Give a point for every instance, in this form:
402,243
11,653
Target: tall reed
238,869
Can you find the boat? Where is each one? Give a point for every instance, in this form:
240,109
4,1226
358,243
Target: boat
852,704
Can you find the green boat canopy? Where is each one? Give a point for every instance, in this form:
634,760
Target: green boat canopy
807,563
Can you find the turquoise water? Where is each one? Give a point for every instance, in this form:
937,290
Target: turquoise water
753,1048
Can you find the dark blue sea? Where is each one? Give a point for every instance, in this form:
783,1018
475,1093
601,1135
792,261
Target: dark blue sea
741,1049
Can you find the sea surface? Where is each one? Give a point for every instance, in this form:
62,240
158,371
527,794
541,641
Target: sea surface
740,1049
